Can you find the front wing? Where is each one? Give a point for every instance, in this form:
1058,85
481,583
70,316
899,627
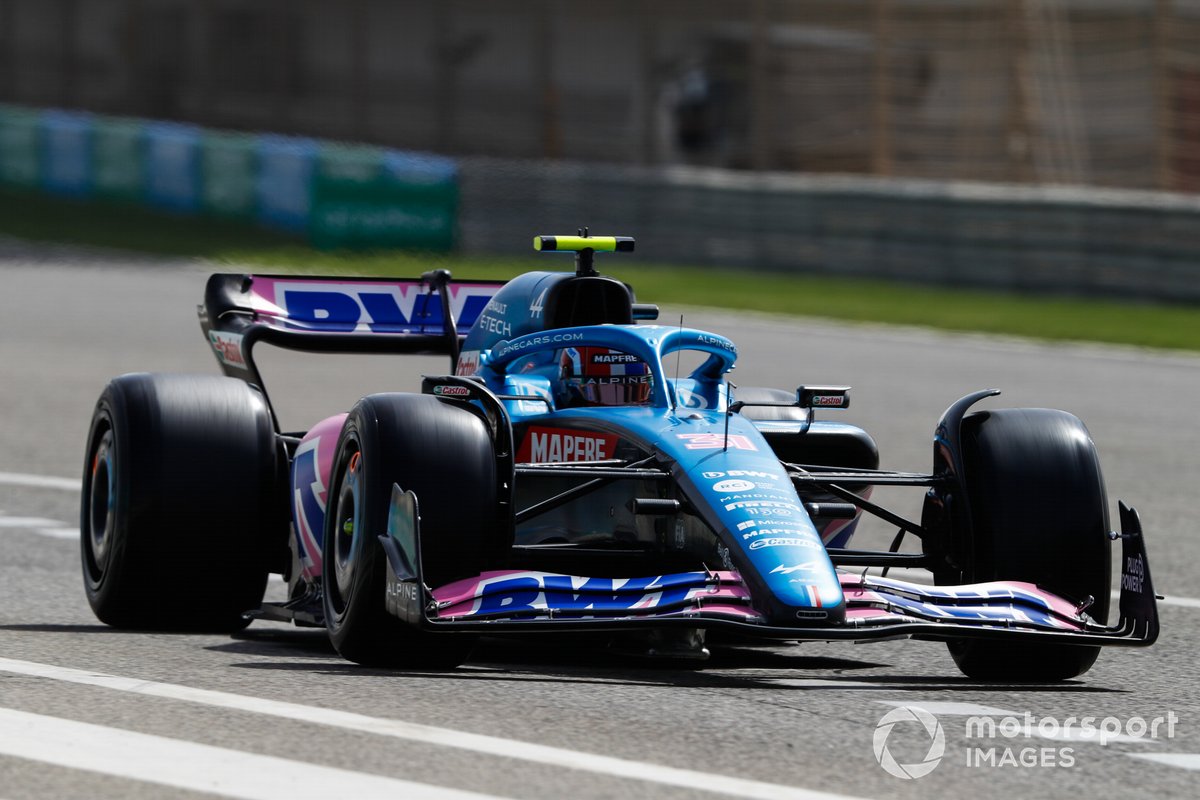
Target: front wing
876,608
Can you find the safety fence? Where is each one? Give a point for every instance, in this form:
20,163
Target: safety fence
337,195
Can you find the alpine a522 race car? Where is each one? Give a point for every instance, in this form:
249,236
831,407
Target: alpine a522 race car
560,479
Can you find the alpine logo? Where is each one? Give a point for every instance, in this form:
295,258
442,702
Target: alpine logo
558,445
807,566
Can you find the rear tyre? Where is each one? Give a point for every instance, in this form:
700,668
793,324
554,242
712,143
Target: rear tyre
178,508
1040,514
442,453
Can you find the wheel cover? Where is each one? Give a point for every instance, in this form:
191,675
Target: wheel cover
341,553
101,508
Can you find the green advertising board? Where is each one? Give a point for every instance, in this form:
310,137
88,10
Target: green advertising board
228,166
365,197
19,150
339,195
117,159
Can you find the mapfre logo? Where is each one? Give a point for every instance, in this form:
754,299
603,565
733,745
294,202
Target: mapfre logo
557,445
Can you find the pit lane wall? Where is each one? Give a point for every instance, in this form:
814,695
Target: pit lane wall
1057,240
335,195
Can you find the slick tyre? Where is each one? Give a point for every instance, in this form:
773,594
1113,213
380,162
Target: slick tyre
1039,513
180,504
443,454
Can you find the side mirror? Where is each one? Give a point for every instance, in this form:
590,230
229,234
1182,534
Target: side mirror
823,396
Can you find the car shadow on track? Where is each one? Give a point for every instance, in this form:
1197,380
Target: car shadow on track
582,659
291,642
47,627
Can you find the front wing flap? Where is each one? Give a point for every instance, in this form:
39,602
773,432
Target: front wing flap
876,608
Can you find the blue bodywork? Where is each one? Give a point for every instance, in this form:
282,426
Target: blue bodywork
723,465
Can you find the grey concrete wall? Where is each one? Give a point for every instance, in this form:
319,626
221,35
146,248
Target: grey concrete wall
1124,244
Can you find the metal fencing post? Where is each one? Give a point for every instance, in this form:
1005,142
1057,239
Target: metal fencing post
1163,90
761,157
881,151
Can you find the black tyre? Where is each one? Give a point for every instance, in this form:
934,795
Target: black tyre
180,503
442,453
1039,513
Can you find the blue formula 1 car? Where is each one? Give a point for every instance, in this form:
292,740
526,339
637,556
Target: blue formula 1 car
563,479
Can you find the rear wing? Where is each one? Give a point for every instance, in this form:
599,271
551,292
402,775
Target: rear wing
338,315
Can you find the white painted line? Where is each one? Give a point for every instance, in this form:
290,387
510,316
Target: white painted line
1185,602
427,734
195,767
826,683
28,522
59,533
1182,760
40,481
1171,600
940,709
40,525
910,574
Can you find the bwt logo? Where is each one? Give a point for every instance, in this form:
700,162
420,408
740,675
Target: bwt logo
378,308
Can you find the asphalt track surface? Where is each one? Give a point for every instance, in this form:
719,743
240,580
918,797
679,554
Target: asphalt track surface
86,711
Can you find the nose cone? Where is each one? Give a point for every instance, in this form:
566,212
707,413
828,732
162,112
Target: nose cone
740,487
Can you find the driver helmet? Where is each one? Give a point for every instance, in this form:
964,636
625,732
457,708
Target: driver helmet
598,376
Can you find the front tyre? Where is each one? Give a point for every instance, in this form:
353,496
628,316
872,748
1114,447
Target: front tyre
179,509
444,454
1039,513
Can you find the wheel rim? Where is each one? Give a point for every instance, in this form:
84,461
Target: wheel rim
101,503
346,518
